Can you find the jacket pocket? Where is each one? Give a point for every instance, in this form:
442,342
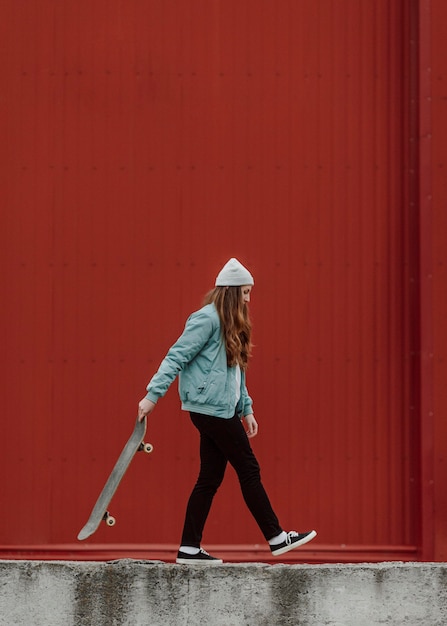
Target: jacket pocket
206,392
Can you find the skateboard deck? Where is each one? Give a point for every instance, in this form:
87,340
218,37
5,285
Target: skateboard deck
99,512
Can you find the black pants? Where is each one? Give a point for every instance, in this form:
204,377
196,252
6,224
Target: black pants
222,441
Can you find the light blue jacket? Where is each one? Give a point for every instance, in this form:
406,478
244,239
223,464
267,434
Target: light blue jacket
206,384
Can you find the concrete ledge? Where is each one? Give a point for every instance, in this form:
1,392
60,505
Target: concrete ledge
151,593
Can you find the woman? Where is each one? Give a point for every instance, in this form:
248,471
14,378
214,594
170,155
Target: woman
211,359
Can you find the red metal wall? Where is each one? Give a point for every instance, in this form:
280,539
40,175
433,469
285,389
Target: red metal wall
437,276
144,144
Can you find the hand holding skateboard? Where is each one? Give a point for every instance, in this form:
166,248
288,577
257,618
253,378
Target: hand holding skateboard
144,408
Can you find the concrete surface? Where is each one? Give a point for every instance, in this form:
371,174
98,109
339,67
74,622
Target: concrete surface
151,593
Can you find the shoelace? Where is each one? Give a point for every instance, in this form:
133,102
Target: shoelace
291,535
202,551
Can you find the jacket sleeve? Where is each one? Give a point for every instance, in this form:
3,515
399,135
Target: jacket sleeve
246,403
196,333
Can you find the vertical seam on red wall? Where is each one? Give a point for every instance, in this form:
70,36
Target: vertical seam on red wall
425,283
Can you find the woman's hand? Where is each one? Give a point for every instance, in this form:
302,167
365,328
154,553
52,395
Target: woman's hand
144,408
252,425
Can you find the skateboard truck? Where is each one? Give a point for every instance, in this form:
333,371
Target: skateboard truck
109,519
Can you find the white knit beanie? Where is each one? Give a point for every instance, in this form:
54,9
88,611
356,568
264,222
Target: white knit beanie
234,274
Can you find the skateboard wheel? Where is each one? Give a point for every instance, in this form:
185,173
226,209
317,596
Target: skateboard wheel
109,519
147,447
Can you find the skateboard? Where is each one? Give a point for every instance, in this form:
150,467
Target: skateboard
100,512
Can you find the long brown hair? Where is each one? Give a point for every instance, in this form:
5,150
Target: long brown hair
235,322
